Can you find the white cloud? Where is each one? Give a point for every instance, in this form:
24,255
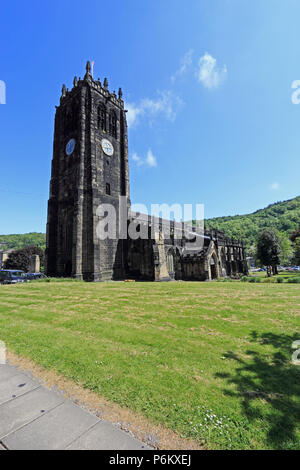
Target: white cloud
274,186
137,159
166,105
208,73
149,160
133,113
185,64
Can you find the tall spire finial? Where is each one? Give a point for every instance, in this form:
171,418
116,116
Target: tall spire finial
105,83
88,70
120,93
75,81
63,91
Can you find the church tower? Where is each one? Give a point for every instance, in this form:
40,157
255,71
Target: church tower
89,168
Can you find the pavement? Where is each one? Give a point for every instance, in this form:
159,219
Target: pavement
32,417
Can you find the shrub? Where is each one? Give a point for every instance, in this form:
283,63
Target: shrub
280,280
20,259
294,280
254,279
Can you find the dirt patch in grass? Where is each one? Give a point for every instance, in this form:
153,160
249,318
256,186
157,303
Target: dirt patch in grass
152,434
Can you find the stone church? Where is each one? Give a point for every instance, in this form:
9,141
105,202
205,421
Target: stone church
90,168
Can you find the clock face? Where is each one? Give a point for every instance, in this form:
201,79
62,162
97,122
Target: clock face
70,147
107,147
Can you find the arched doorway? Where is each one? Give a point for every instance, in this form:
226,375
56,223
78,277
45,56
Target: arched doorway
213,266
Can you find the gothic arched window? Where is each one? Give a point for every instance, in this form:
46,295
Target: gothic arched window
102,117
113,124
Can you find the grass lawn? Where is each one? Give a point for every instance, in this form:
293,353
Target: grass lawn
212,361
284,274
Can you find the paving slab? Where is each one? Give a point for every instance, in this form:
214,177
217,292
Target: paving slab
16,386
55,430
22,410
105,436
32,417
7,371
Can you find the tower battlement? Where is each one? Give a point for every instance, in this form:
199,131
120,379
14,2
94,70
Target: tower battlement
96,85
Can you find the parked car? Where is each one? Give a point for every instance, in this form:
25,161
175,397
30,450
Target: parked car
34,276
12,276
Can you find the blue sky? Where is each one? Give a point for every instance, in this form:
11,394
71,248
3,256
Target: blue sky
207,85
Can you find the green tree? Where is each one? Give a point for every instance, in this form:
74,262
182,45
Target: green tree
17,241
282,216
252,251
20,259
269,250
296,258
287,250
295,234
